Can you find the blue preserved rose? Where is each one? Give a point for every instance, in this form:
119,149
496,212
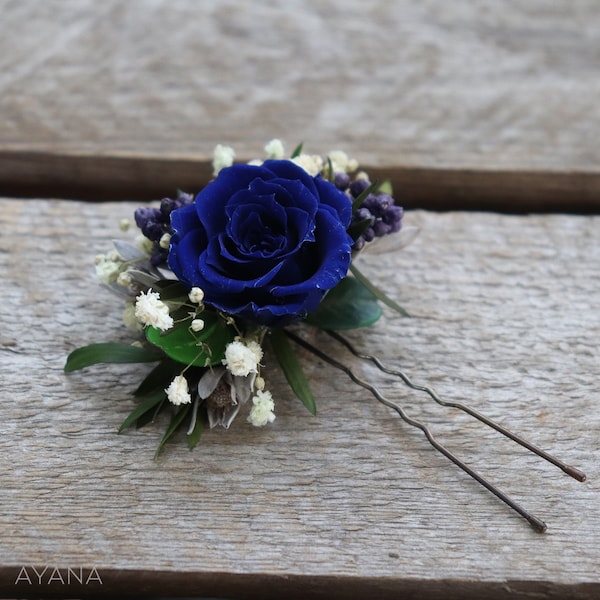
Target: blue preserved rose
265,243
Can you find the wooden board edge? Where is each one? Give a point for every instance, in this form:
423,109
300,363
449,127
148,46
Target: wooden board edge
95,582
145,178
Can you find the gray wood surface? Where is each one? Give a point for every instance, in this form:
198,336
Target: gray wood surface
462,103
350,503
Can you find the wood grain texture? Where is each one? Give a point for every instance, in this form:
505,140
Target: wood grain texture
352,501
464,104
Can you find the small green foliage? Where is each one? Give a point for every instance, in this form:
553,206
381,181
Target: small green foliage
362,196
147,405
381,295
385,187
176,420
356,229
349,305
195,348
288,361
297,150
108,352
151,415
330,173
171,291
159,378
194,437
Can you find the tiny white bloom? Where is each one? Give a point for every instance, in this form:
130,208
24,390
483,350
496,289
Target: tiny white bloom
107,270
129,318
312,164
341,163
144,244
222,157
241,359
256,349
196,295
151,310
178,391
274,149
259,383
352,165
261,412
165,240
124,224
124,279
197,325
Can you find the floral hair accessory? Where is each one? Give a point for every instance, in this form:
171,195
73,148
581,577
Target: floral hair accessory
264,246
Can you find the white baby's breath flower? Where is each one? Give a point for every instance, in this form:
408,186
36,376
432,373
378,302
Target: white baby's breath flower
222,157
129,318
261,412
151,310
312,164
196,295
241,359
124,279
144,244
197,325
274,149
341,163
124,224
256,349
178,391
165,240
107,270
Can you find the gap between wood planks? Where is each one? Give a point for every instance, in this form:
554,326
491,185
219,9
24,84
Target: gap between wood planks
134,177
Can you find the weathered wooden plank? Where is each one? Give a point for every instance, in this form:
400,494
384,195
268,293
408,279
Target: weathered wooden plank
505,315
134,177
464,103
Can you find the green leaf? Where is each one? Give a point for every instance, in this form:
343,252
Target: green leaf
385,187
146,405
171,290
151,415
362,196
288,361
191,348
159,378
381,295
297,150
194,437
348,305
330,173
356,229
176,421
108,352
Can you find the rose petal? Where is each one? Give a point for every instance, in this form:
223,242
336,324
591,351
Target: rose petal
210,202
286,169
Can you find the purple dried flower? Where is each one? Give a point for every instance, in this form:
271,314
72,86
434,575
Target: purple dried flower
342,181
155,222
358,186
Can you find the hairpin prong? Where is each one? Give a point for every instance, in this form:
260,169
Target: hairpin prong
568,469
534,521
